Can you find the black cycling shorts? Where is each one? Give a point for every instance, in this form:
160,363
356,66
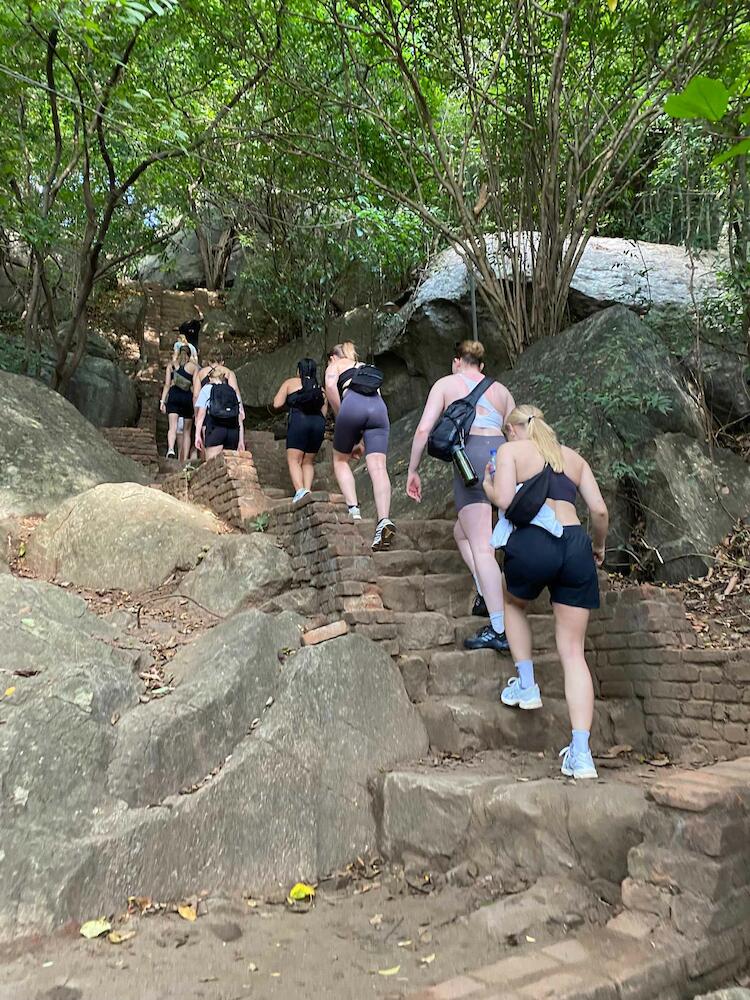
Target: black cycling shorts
220,434
305,431
180,401
535,559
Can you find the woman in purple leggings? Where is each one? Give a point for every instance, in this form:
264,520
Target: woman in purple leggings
353,390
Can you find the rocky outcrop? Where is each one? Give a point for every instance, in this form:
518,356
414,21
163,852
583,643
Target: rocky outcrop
120,536
49,451
92,811
260,378
236,571
692,501
724,374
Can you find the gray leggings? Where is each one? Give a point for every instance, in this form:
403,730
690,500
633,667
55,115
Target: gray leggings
478,449
362,417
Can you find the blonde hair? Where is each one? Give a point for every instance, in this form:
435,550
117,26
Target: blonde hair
182,351
470,351
541,435
345,350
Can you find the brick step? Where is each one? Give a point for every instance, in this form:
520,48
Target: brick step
483,673
420,536
442,817
458,722
405,562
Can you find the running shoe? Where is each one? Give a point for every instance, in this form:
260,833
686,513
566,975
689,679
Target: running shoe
299,494
488,638
384,532
354,514
516,696
577,765
479,608
170,453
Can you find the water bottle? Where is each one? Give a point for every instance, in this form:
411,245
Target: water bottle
493,461
463,465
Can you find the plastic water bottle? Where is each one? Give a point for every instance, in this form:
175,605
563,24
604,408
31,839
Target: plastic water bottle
493,461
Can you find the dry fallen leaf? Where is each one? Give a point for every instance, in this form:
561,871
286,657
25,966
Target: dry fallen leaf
404,944
617,749
531,940
427,959
389,972
659,760
252,967
188,911
9,692
118,937
95,928
376,920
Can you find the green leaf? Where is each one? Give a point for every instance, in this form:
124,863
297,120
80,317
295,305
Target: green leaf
703,97
745,117
739,149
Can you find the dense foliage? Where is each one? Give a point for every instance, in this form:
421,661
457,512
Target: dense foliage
341,141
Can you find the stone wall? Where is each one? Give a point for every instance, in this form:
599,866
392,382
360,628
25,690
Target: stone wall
227,484
137,443
269,456
693,868
696,701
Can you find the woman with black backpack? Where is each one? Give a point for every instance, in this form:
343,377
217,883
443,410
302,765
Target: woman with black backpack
303,397
219,416
353,390
478,406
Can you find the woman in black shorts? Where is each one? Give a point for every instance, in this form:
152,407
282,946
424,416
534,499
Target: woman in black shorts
361,424
177,401
554,551
303,397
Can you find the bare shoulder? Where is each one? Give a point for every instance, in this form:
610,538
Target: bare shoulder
573,463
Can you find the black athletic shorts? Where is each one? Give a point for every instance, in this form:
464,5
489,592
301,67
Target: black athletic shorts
305,431
535,559
221,434
180,401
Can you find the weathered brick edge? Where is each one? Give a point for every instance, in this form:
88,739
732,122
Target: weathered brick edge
137,443
689,890
227,484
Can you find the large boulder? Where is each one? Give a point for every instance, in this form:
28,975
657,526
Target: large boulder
103,393
121,536
289,738
641,276
49,451
238,570
260,378
692,500
724,373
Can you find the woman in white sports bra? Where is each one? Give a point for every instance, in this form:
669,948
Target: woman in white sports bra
473,529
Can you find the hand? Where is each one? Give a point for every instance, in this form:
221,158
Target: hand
199,440
599,555
488,483
414,486
241,444
162,406
358,451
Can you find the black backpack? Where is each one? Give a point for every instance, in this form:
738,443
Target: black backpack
366,380
529,499
223,404
450,431
308,399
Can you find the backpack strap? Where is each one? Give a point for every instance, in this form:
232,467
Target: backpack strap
479,390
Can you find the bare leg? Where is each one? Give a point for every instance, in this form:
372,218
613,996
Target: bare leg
186,440
517,628
381,484
172,432
308,471
476,524
345,477
462,543
570,636
214,451
294,460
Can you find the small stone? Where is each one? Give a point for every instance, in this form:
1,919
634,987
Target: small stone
332,631
226,932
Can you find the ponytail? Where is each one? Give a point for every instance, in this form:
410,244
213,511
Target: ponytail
308,369
541,435
345,350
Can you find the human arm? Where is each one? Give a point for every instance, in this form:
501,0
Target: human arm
200,417
592,497
331,387
165,390
232,380
501,488
279,400
510,404
196,384
433,409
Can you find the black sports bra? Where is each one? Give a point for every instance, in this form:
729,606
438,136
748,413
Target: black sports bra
561,487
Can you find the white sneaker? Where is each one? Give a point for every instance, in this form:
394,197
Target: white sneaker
170,453
384,532
514,695
299,494
354,514
579,765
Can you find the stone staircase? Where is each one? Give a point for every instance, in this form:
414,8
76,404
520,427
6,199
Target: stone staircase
427,593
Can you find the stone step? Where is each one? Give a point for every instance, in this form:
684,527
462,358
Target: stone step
483,673
459,722
451,594
407,562
442,817
420,536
